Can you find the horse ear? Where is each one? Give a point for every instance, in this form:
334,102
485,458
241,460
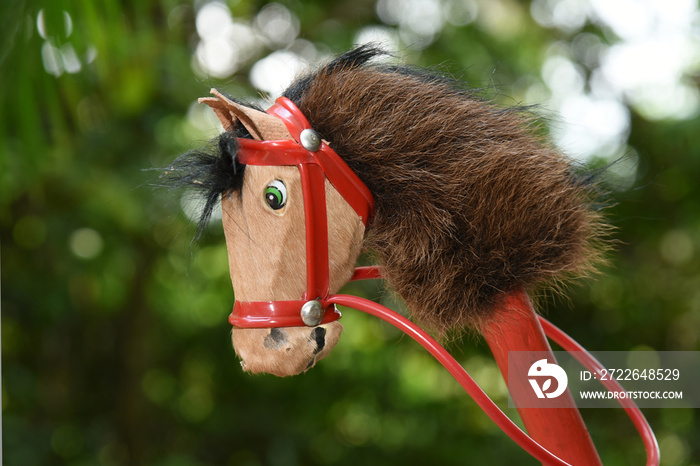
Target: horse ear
260,125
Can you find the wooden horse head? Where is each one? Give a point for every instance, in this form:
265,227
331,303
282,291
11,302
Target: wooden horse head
266,235
470,205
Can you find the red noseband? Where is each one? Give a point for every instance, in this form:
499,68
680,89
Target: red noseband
316,162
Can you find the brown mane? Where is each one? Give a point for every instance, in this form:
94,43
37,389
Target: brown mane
469,202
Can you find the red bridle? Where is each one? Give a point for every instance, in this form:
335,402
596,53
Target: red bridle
316,162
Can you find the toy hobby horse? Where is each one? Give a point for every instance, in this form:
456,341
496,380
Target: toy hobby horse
463,205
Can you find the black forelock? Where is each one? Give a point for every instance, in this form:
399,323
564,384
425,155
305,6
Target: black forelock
208,173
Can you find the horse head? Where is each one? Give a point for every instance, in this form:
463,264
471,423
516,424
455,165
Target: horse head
265,229
470,203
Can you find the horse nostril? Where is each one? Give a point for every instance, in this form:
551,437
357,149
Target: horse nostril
318,334
276,339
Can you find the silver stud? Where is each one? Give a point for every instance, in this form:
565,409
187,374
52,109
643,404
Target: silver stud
310,140
312,313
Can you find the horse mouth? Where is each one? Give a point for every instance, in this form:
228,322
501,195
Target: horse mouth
284,351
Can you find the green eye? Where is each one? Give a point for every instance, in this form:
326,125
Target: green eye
276,195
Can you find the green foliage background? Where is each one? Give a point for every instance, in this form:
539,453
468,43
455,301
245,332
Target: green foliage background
115,344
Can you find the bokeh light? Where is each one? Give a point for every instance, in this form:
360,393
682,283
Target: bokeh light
225,45
86,243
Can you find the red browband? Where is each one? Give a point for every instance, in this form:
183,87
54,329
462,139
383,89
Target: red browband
316,162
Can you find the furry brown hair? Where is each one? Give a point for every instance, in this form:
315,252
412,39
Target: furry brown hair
470,204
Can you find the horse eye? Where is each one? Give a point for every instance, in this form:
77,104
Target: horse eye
276,195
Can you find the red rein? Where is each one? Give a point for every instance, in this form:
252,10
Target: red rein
316,162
